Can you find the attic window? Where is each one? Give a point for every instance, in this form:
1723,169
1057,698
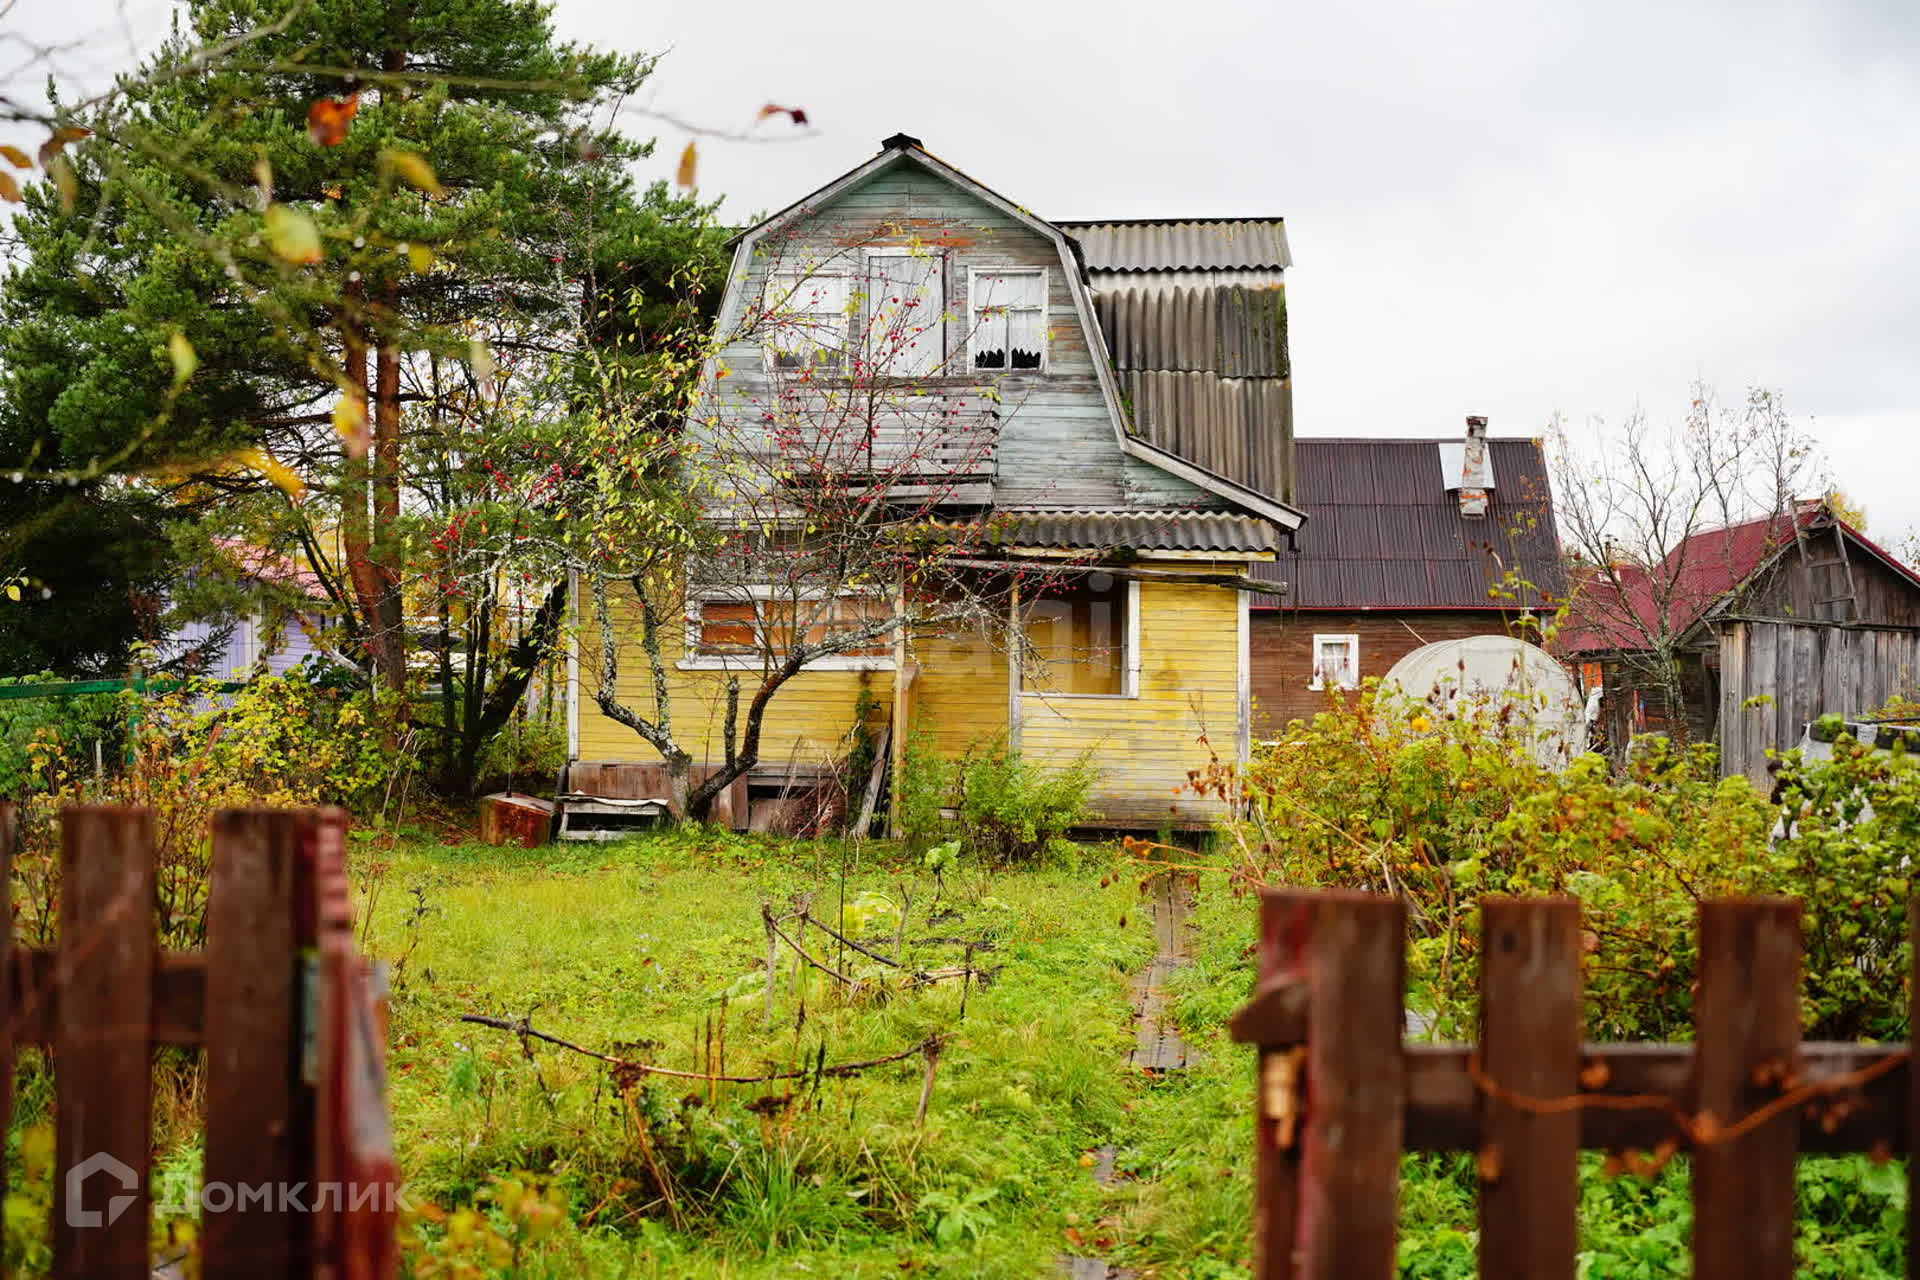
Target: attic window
1009,317
806,319
906,305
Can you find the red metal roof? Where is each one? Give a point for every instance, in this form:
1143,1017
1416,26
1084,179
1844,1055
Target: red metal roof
1688,581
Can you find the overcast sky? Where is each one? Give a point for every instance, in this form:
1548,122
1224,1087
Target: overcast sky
1517,208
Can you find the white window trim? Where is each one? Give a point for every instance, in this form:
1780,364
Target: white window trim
693,660
1046,330
1350,637
938,257
1130,682
846,318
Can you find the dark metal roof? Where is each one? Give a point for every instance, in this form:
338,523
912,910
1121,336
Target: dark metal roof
1205,244
1134,530
1383,531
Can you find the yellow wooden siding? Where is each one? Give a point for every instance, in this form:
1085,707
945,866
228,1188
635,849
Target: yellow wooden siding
1145,746
806,722
960,694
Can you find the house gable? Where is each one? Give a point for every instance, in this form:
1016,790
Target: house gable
1063,433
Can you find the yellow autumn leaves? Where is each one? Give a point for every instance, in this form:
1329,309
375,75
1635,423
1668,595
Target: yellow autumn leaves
293,237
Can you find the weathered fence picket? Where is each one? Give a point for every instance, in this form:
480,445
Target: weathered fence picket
284,1010
1340,1095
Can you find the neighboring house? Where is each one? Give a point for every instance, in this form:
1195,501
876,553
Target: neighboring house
1775,622
1408,542
263,641
1130,379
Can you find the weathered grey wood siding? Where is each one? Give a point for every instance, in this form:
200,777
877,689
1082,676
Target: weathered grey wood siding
1057,445
1797,587
1809,670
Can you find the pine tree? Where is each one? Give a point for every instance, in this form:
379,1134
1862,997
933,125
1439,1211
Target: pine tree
348,229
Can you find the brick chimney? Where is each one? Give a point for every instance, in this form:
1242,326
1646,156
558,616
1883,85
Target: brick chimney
1475,474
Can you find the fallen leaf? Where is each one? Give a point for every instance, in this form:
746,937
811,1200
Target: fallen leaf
327,119
185,359
292,235
9,189
1073,1237
413,166
16,157
689,161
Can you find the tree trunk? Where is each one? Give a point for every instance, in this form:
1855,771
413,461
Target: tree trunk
386,624
355,495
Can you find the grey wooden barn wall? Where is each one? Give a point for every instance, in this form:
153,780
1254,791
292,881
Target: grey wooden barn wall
1810,670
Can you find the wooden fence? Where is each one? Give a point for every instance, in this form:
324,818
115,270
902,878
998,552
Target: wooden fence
1341,1096
299,1178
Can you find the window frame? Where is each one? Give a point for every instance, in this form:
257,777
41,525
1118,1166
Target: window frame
695,658
1351,639
974,326
839,368
938,257
1130,659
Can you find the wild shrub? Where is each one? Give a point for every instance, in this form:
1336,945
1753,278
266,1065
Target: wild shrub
1013,809
74,723
1397,797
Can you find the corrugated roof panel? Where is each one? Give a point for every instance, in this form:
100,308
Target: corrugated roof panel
1382,532
1173,245
1142,531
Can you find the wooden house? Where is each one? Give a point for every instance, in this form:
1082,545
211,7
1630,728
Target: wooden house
1775,622
1408,542
1121,388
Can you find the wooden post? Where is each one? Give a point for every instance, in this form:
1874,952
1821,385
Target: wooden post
1913,1100
103,1076
9,819
259,1112
1530,1032
1286,930
1356,1088
1746,1035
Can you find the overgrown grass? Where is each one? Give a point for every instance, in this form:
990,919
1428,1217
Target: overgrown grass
644,948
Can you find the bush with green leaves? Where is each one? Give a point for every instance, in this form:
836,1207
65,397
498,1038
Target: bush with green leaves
1006,808
1384,794
70,723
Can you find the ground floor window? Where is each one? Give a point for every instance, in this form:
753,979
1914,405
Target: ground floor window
1079,638
1336,661
755,626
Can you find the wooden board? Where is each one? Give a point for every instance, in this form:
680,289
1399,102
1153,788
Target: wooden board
259,1114
103,1078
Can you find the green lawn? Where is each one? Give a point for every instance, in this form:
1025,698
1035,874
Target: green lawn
645,948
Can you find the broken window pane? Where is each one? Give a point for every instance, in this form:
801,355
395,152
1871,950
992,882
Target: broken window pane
806,320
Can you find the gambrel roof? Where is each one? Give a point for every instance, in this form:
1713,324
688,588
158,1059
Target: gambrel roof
1216,472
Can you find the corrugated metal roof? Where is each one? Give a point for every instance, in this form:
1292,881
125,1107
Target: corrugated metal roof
1135,530
1234,427
1235,332
1382,531
1179,244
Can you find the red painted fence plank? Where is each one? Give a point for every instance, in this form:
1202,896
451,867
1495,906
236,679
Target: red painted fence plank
103,1072
1530,1034
1746,1034
1356,1088
259,1115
